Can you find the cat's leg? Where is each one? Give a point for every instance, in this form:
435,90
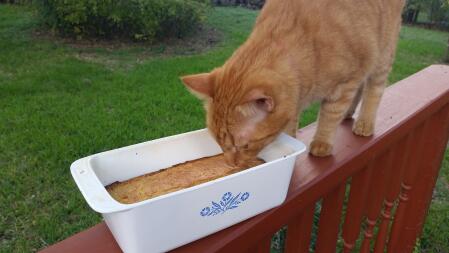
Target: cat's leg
372,94
355,102
332,112
292,126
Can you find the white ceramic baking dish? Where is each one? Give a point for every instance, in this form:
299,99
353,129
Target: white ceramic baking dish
169,221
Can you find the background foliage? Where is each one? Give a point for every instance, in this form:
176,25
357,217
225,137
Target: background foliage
429,12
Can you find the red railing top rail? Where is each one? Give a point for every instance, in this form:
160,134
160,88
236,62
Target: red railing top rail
404,106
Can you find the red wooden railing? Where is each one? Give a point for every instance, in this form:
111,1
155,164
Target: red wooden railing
385,181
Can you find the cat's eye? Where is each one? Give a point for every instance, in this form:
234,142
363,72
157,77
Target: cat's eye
261,101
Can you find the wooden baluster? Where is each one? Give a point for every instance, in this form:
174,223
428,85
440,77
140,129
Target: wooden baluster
383,227
354,213
368,235
330,218
409,176
299,231
401,150
264,246
381,170
434,142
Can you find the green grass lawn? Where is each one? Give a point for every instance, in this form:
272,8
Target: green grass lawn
56,107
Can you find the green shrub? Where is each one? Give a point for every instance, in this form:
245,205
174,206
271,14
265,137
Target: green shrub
135,19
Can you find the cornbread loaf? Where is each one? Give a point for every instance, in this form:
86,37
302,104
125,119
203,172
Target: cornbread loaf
172,179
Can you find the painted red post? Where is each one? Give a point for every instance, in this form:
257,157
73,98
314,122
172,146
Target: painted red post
436,134
394,185
299,232
356,205
381,171
330,220
407,184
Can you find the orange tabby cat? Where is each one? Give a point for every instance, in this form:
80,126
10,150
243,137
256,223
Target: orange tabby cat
334,51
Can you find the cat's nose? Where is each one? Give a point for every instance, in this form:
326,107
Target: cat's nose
230,157
242,161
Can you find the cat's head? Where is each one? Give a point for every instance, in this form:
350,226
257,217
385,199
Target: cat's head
243,112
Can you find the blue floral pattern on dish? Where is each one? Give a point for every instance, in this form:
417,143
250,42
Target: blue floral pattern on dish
226,203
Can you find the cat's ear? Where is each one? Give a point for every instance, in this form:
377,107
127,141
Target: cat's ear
201,85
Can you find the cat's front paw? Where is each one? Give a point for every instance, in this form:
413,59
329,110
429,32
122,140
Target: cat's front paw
320,148
363,127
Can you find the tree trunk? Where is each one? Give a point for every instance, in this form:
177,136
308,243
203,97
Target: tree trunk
447,52
415,17
408,16
411,16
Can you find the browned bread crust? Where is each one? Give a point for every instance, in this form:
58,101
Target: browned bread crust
172,179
